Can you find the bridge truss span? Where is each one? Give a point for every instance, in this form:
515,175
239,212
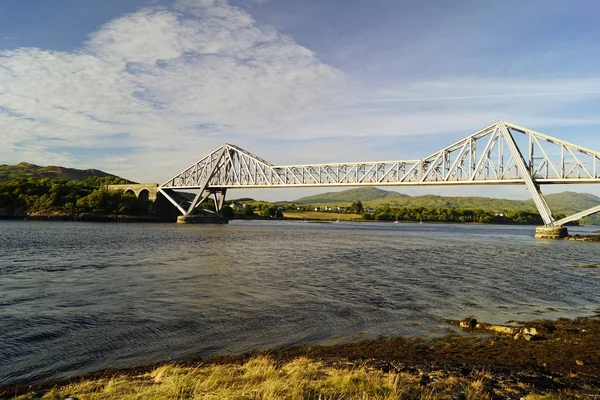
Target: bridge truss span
502,153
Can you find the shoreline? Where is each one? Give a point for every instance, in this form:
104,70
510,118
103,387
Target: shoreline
543,356
91,217
83,217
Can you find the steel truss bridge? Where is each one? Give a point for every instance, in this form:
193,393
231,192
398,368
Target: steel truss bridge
499,154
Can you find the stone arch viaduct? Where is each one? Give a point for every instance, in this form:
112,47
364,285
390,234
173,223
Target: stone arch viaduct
143,191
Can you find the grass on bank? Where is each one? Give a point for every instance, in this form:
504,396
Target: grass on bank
263,378
322,216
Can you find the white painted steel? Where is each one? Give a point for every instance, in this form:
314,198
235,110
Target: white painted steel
501,161
577,216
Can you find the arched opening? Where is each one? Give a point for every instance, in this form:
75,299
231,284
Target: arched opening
130,191
144,195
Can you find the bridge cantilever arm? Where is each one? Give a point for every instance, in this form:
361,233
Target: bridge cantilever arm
553,140
577,216
170,182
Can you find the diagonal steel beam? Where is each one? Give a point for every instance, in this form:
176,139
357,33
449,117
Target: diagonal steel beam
577,216
168,197
485,155
204,184
533,187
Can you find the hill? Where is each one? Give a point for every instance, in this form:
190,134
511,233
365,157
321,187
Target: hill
433,201
26,170
375,197
565,202
348,196
570,202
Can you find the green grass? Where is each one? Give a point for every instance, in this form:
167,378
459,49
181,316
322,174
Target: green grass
321,216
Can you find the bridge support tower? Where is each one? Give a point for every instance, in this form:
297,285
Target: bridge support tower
190,212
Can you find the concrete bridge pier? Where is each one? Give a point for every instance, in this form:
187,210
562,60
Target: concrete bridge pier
206,216
201,219
551,232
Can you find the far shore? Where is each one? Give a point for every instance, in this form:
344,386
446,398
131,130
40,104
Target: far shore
85,217
287,216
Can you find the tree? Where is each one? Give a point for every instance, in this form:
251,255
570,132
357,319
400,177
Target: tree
367,216
265,211
356,207
111,202
271,211
248,211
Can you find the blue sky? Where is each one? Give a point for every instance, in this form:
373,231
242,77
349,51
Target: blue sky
144,88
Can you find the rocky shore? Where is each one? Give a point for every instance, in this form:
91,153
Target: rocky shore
584,238
535,360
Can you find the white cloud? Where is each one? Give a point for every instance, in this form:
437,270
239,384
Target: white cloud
174,83
169,79
474,89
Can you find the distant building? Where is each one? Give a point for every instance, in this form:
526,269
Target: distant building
317,208
371,210
237,206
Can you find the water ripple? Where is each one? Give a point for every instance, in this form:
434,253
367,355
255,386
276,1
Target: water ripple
79,297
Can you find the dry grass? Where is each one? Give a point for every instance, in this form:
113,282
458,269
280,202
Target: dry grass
263,378
565,395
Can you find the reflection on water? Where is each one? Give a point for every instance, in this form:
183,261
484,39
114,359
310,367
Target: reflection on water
78,297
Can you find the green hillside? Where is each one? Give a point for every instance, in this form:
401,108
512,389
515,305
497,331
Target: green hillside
374,197
560,203
348,196
570,202
26,170
433,201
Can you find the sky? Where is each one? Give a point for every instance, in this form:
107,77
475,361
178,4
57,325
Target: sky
142,88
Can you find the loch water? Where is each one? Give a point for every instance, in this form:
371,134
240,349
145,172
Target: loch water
77,297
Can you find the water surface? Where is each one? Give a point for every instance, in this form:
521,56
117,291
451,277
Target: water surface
78,297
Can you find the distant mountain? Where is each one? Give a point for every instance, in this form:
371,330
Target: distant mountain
26,170
348,196
570,202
